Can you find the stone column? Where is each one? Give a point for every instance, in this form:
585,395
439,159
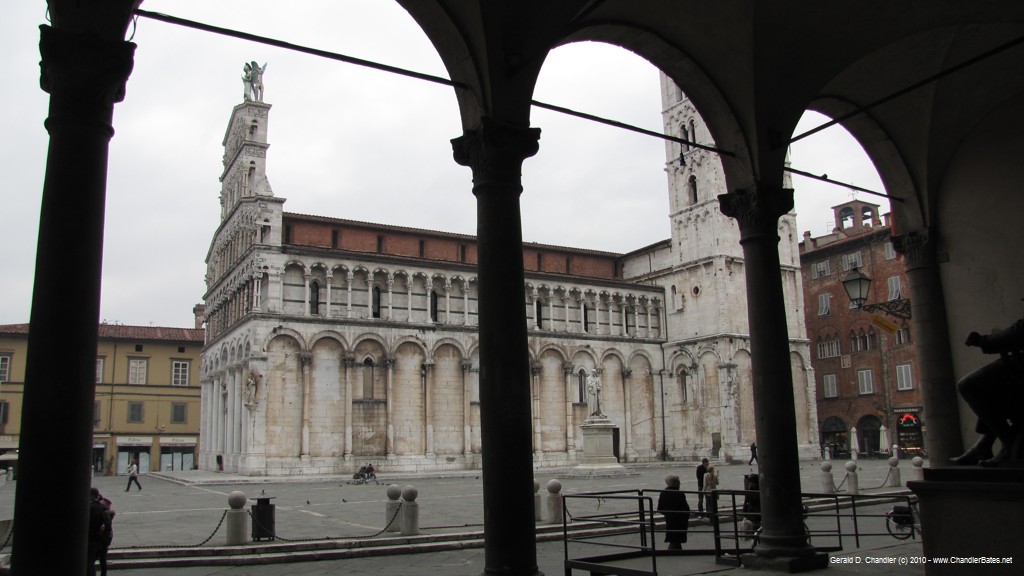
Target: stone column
85,65
625,317
465,302
307,359
280,291
369,296
757,210
538,447
495,151
467,411
348,297
428,407
570,425
305,293
328,279
257,289
583,314
408,298
389,448
348,361
565,304
430,290
533,308
391,310
551,310
647,308
931,341
627,414
447,301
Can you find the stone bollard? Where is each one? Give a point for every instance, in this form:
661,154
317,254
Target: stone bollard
410,511
554,514
537,512
236,521
394,523
852,484
828,452
828,483
894,472
918,464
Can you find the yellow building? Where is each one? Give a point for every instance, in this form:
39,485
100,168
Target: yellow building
147,396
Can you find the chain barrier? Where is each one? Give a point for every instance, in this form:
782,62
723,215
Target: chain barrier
322,538
885,482
845,478
203,543
7,540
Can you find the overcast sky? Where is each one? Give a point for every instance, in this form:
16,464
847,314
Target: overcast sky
346,142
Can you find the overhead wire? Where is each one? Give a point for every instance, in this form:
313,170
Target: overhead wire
166,18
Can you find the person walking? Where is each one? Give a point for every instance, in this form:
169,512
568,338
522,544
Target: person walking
133,476
673,505
702,469
710,497
753,453
97,531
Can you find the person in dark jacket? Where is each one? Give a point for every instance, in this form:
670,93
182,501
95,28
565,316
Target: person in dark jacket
702,469
673,505
97,530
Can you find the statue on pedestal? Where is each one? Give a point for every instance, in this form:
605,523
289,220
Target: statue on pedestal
594,393
996,394
252,81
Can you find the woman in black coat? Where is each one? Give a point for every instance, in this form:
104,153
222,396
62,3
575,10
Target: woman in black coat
673,505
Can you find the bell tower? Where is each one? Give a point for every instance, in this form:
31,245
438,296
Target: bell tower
245,156
706,295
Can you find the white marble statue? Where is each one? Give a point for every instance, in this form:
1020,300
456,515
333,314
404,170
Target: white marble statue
594,393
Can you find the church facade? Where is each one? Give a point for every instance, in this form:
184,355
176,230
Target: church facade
332,343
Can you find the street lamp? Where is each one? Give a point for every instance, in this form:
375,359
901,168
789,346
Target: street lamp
857,284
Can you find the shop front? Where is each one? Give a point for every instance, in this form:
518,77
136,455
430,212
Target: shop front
909,431
134,448
177,453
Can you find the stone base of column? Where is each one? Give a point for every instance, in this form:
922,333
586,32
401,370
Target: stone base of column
790,564
598,446
970,512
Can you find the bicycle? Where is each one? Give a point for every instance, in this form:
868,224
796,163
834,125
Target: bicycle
903,521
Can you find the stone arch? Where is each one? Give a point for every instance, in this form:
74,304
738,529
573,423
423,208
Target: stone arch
407,417
550,399
293,288
369,395
283,393
282,331
326,397
328,334
803,399
745,414
642,432
448,398
450,342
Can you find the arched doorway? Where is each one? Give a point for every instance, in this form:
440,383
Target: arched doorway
833,437
868,431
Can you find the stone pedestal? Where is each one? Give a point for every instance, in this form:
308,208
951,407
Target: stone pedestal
598,445
973,515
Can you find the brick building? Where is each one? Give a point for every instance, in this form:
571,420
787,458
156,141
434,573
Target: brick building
865,365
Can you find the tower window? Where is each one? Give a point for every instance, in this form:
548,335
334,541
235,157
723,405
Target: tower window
433,306
380,244
423,248
586,318
334,238
462,253
376,301
693,189
367,379
540,262
539,312
314,298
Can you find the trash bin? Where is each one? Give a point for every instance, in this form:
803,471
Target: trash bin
263,518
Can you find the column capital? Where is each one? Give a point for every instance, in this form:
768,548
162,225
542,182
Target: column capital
306,358
757,209
495,151
535,368
467,365
348,360
567,368
87,73
917,247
